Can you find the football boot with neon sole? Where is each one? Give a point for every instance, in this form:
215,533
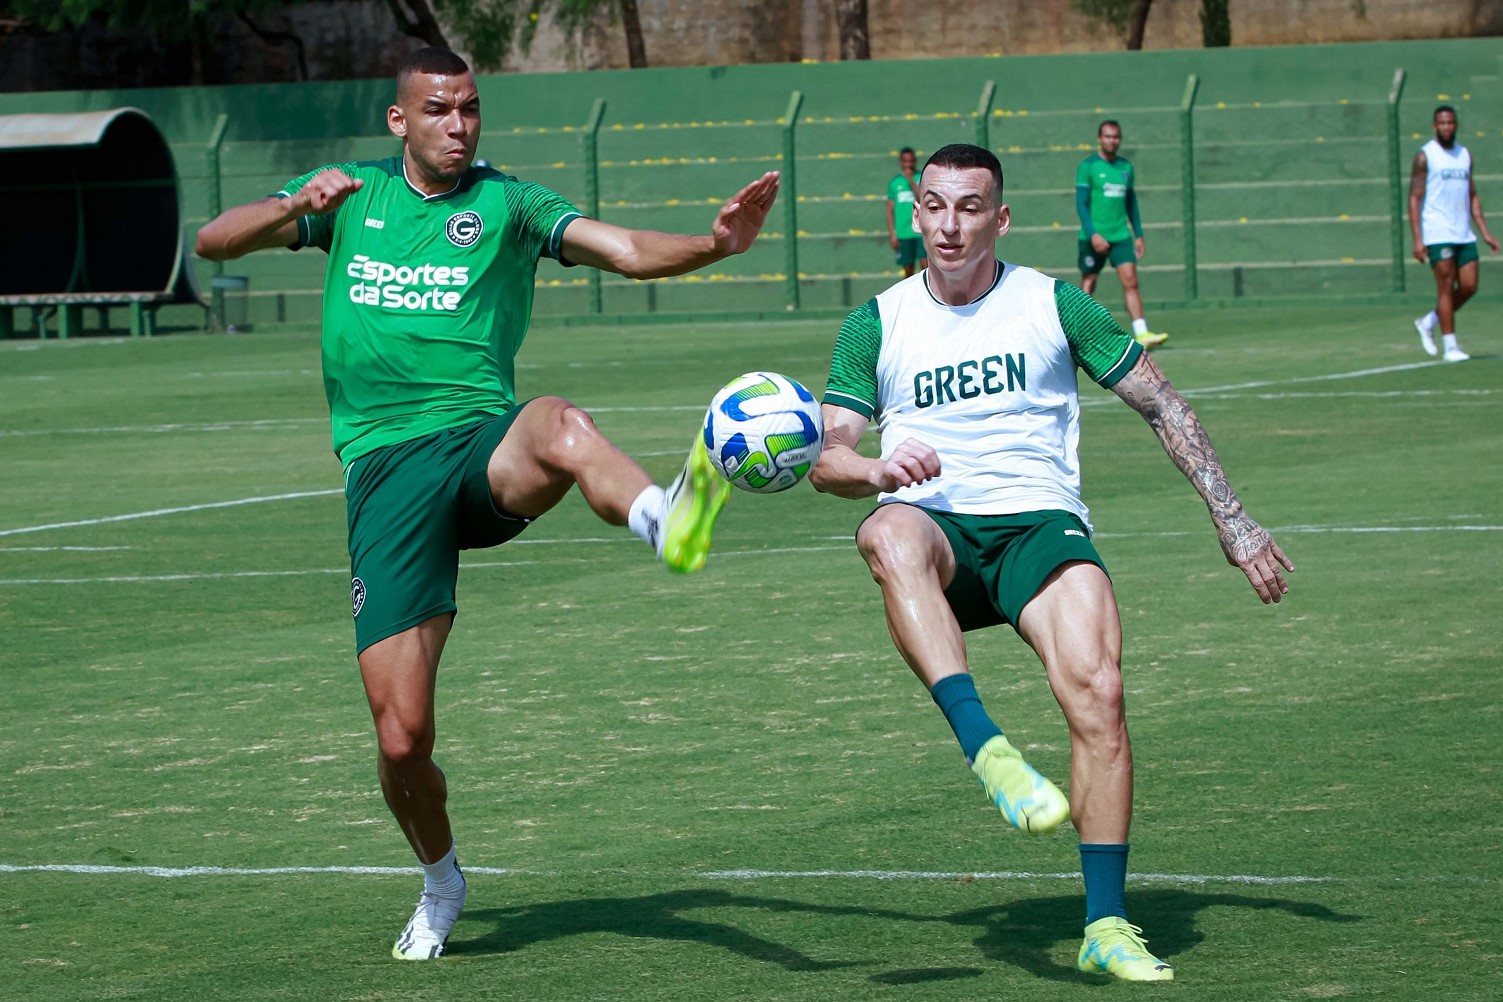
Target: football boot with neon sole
694,502
1026,799
1115,946
1150,340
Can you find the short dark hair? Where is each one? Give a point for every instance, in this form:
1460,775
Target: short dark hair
906,149
965,155
1110,121
431,59
1444,107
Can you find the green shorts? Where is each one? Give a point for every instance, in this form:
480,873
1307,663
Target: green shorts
1001,561
1119,253
910,251
1460,253
412,507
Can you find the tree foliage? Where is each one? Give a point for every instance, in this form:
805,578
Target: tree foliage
491,30
169,18
1215,23
1127,18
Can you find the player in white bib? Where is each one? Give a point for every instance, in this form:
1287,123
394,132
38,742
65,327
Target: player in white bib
968,369
1443,204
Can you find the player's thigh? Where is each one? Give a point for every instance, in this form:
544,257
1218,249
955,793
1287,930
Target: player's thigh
399,674
900,538
1073,625
1466,276
525,470
1443,265
1127,274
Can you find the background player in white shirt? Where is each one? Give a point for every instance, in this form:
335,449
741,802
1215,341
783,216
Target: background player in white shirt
969,369
1443,204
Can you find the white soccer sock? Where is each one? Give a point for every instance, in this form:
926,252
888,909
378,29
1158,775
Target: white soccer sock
1140,326
443,877
1449,341
646,516
1429,320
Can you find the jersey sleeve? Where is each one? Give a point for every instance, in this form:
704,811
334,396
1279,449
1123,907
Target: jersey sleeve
1099,345
1083,198
316,230
1132,204
539,217
853,368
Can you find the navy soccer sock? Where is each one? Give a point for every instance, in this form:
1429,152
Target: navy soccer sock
957,700
1104,866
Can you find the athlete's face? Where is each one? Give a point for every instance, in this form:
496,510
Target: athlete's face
961,217
907,163
1445,127
438,116
1110,138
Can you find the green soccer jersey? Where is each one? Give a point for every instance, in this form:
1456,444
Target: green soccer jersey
426,298
900,193
1108,190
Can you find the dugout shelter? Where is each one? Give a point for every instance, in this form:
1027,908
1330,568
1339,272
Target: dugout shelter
89,207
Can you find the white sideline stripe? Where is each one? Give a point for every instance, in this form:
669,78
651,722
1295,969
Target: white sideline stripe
149,429
1354,374
1141,878
230,871
69,549
171,511
385,871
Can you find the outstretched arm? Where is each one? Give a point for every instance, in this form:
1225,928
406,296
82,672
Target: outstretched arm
272,222
845,473
1247,544
650,254
1491,240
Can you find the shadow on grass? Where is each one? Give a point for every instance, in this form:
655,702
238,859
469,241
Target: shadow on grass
1026,934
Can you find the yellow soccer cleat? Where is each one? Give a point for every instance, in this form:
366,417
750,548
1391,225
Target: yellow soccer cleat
1149,340
1115,946
694,502
1026,799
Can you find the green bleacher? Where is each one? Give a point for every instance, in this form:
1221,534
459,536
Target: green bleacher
1294,183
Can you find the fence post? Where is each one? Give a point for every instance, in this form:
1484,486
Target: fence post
984,115
1187,183
216,140
1396,178
789,188
590,142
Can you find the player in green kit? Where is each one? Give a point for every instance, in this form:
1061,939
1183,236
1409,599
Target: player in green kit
907,243
427,297
1110,229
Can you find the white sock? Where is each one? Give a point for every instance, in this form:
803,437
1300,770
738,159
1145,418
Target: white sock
443,877
646,516
1140,326
1449,340
1429,320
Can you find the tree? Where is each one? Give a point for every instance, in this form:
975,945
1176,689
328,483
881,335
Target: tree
1215,23
1126,17
855,34
491,29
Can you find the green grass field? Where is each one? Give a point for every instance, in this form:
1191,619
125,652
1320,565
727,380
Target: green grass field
693,788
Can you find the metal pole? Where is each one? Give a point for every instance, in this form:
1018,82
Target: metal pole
1187,183
789,188
1396,180
216,140
984,115
590,141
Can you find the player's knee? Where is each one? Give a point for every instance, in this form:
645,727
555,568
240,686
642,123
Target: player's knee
573,430
889,547
404,742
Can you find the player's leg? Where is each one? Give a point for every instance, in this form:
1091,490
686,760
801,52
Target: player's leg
1465,287
1090,264
913,562
1445,306
1132,298
399,674
553,445
1073,625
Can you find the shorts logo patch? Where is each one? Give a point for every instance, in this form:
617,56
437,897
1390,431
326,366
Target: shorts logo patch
357,596
463,228
1074,532
1090,262
1447,253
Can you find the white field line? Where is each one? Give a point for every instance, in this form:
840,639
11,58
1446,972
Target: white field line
384,871
68,549
152,429
170,511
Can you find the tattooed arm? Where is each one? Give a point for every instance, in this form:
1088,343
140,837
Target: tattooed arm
1247,544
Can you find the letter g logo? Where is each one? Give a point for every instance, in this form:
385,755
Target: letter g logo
463,228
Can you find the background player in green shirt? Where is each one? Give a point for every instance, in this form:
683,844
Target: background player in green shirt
1107,204
907,243
428,294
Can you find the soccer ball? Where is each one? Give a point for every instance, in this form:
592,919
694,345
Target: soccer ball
763,432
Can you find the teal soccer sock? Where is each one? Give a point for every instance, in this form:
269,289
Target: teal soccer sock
1104,866
957,700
